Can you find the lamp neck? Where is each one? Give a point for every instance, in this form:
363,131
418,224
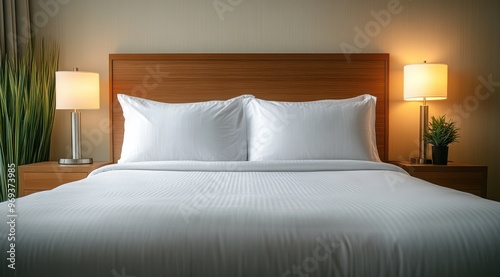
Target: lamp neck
425,102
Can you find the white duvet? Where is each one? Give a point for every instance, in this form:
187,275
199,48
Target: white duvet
283,218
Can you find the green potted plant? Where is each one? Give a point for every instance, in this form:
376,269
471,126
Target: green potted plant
440,134
27,107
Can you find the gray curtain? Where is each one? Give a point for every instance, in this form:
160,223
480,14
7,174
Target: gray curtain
15,31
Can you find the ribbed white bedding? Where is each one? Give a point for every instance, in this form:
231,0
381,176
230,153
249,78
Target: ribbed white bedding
282,218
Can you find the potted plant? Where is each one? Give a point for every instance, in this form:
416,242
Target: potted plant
440,134
27,107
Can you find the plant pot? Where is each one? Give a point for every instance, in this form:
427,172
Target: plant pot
440,155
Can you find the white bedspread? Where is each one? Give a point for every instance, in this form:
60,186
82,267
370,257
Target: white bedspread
288,218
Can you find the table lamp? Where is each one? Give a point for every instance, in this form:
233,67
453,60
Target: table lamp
424,82
76,90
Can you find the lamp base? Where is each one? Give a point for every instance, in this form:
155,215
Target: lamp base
417,160
76,161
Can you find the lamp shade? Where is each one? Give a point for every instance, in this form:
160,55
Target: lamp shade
429,81
77,90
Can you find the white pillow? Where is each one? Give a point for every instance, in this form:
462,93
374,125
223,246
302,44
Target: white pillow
326,129
203,131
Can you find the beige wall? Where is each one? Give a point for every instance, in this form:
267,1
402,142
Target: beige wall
461,33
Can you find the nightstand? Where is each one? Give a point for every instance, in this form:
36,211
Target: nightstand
460,176
48,175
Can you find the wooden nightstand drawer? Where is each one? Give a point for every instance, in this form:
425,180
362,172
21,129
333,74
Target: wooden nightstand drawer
51,180
48,175
464,177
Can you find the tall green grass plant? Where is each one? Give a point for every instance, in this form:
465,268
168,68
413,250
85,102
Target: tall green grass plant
27,107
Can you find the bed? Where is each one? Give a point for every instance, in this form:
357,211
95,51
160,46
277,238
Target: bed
228,165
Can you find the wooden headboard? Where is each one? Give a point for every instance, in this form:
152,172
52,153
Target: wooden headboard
178,78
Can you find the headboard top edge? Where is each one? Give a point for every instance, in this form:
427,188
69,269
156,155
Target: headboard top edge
258,56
